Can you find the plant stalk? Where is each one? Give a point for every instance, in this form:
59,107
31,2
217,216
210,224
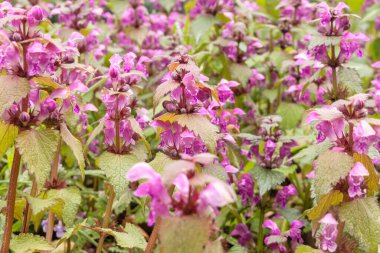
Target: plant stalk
11,199
12,189
28,210
53,177
106,220
333,68
260,237
153,237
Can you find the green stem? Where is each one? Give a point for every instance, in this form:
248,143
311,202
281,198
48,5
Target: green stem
260,237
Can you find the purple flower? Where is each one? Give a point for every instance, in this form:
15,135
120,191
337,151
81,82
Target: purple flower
178,140
295,232
274,230
284,194
59,229
243,234
246,188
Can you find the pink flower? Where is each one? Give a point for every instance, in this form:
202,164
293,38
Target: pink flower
329,233
356,179
153,188
216,194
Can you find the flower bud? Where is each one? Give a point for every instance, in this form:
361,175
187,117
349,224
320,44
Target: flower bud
50,105
37,13
16,37
24,118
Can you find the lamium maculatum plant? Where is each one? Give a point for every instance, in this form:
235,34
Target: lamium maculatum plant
192,126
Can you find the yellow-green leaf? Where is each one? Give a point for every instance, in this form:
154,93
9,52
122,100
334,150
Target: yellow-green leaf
28,243
8,134
372,180
12,89
361,218
164,89
75,145
71,198
307,249
201,126
186,234
130,238
116,167
37,148
331,199
159,162
46,82
331,166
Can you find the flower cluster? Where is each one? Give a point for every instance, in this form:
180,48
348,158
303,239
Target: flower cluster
270,135
188,198
334,120
294,233
124,73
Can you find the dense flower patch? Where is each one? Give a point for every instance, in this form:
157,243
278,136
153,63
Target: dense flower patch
190,126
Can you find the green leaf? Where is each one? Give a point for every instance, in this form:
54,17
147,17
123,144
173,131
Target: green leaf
238,249
12,89
8,134
307,249
167,4
137,34
164,89
202,25
46,82
271,95
279,58
116,167
216,170
374,48
291,115
240,72
331,199
70,232
75,145
318,40
28,243
194,233
199,124
159,162
361,217
98,129
276,239
72,198
331,166
308,155
214,247
42,204
267,178
37,148
355,5
349,77
130,238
